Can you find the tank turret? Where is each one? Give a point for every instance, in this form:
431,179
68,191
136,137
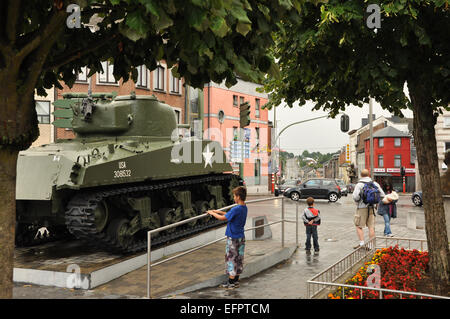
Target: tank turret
124,116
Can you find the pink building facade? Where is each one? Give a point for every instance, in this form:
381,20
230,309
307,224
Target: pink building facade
221,123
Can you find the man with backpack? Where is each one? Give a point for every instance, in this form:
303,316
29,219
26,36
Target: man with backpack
366,194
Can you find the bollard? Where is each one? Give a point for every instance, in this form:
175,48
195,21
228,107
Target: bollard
411,220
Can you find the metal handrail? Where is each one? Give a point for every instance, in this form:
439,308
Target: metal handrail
149,233
381,290
372,243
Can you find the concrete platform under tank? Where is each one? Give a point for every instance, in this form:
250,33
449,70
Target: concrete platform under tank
53,264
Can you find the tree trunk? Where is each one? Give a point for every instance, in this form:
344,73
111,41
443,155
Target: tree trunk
18,129
8,160
427,157
19,72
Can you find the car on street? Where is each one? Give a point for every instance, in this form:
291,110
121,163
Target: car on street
343,186
318,188
417,198
280,189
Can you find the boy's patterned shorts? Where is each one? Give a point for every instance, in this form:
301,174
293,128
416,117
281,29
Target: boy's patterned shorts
234,256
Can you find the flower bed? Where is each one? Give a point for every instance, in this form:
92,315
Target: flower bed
398,269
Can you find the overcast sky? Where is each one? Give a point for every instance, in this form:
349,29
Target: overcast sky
323,135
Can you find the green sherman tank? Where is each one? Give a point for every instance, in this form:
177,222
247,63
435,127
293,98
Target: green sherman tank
126,172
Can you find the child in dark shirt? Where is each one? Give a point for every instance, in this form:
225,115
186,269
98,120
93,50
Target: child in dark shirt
311,219
234,253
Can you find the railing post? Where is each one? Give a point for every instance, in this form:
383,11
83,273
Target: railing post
282,222
296,224
149,239
307,291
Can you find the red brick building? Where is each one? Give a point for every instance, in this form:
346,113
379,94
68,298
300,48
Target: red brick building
159,82
221,122
392,150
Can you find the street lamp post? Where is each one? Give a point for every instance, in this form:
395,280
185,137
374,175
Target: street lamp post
371,136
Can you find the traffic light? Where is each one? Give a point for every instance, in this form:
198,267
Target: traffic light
345,123
402,171
244,116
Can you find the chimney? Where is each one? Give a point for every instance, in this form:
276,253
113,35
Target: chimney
365,121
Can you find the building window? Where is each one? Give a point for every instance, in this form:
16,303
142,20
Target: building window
43,112
159,78
177,115
257,136
82,75
446,121
397,142
380,161
447,146
174,84
397,161
107,77
258,172
257,107
241,100
235,133
235,100
194,99
381,142
142,79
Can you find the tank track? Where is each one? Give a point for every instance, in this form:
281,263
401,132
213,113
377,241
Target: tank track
80,219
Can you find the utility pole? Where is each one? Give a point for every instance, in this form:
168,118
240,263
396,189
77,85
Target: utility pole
371,136
274,144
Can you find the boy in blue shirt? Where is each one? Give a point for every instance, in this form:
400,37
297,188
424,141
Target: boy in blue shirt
234,252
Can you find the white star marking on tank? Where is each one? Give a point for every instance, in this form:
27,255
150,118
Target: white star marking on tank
208,156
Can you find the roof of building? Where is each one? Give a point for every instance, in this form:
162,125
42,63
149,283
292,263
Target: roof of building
393,119
389,131
404,120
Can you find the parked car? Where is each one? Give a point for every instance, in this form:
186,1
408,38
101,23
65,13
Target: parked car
417,198
319,188
341,183
280,189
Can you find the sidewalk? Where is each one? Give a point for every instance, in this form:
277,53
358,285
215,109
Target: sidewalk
202,268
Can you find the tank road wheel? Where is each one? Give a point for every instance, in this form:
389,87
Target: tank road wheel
117,231
101,214
202,207
234,182
169,216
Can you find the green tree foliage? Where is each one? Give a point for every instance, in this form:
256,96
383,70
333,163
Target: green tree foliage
317,156
330,56
202,39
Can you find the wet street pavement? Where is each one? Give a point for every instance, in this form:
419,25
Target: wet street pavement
287,280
